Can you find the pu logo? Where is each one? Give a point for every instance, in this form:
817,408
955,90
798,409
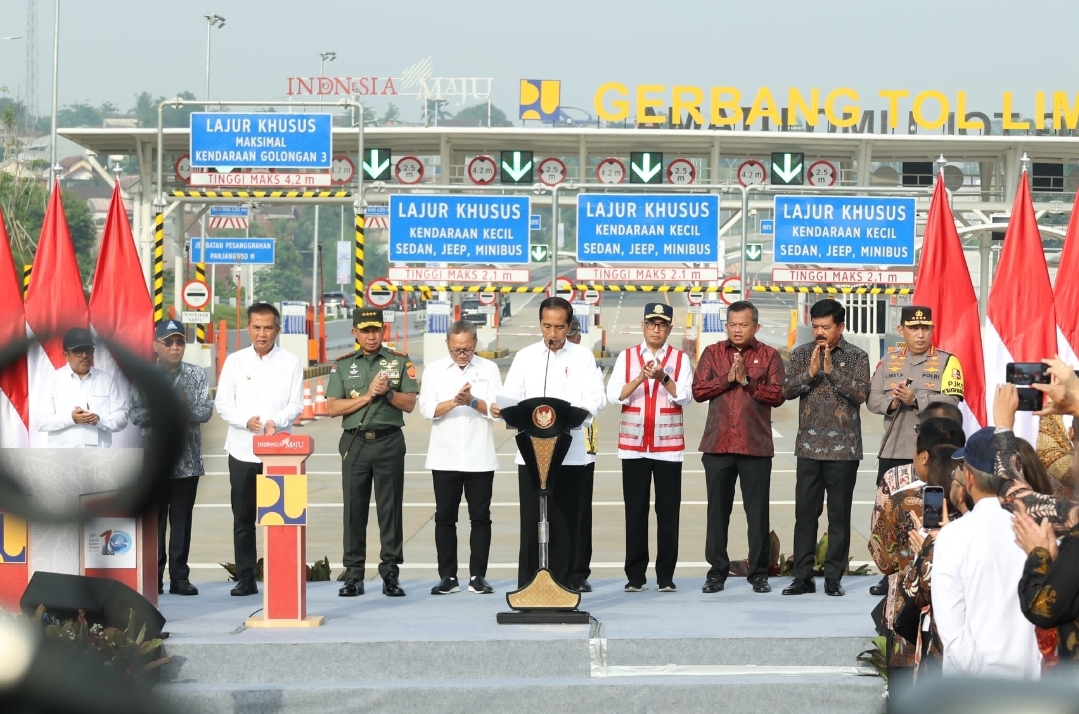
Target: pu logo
541,99
281,499
13,539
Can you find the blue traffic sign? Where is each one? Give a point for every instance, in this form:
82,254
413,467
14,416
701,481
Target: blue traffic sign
261,141
459,229
229,211
534,223
377,211
249,251
647,228
767,226
844,230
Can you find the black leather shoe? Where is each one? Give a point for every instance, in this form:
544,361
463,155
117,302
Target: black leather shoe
712,585
391,588
833,588
245,587
182,587
583,586
800,587
760,585
160,588
880,588
353,588
444,587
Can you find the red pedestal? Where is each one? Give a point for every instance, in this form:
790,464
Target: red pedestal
138,573
281,509
14,561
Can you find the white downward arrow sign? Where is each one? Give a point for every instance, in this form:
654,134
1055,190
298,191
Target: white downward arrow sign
647,171
785,172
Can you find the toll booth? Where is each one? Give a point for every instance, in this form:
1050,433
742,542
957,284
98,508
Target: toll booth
713,322
871,320
439,317
294,337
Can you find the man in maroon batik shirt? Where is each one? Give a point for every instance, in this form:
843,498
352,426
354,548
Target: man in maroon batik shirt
742,379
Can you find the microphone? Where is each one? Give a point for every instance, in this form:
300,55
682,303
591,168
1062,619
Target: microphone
550,346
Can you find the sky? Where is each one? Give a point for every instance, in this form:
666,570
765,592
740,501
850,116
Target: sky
110,50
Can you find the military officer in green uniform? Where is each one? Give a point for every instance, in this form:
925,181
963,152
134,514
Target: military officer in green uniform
372,388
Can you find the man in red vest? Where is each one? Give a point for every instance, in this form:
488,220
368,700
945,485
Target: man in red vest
652,381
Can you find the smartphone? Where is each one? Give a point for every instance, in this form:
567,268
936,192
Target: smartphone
1023,374
1030,399
932,507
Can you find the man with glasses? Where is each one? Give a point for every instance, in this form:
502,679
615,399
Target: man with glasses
84,406
178,500
372,389
742,380
653,382
458,395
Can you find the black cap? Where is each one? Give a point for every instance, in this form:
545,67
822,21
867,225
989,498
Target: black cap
980,451
659,310
364,317
913,315
78,337
168,328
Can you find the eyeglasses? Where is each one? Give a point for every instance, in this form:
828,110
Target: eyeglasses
463,352
173,342
84,350
657,326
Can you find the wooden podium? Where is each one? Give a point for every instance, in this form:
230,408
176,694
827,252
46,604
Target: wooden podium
281,510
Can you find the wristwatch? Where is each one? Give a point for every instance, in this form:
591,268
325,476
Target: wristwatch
745,382
389,395
666,378
474,402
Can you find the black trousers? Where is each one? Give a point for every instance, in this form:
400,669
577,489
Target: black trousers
175,510
814,478
477,487
561,517
379,463
886,465
637,475
583,559
242,479
720,473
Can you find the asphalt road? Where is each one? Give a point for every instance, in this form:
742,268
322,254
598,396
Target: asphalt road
212,540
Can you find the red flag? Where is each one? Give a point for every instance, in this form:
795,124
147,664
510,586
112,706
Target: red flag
55,301
944,286
13,380
1066,290
120,305
1021,324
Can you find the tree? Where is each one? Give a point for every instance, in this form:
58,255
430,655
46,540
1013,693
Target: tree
434,112
283,280
392,115
23,202
477,114
145,110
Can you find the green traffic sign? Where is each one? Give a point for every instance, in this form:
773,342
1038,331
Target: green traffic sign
517,167
645,167
788,169
754,251
538,253
376,164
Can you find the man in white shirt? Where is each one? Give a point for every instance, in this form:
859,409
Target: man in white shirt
653,382
976,571
260,391
458,394
84,405
559,369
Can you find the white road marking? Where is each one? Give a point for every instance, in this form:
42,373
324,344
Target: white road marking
515,504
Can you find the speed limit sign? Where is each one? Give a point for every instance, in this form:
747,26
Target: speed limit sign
681,172
182,167
342,169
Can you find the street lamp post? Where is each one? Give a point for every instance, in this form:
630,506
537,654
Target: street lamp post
212,20
323,58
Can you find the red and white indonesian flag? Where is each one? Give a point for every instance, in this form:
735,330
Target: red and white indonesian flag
1021,325
1066,294
14,387
944,286
55,303
120,306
